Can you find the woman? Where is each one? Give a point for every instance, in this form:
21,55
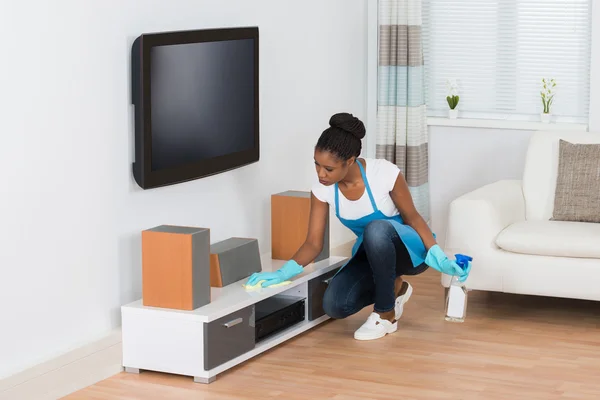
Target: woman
371,198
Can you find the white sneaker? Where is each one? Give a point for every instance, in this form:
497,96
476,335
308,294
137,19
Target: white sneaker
400,300
375,328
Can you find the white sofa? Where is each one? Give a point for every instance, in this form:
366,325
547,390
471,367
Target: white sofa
505,226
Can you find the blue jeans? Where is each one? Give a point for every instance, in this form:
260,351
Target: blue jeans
370,276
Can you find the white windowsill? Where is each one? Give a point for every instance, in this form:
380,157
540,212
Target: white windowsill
504,124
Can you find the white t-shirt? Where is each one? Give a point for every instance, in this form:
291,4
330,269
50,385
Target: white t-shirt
381,175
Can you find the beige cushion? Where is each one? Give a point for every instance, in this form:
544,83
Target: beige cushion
541,169
577,193
551,238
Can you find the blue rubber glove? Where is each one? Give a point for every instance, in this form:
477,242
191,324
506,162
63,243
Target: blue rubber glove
438,260
285,273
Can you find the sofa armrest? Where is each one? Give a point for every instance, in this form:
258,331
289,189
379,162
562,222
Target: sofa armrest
476,218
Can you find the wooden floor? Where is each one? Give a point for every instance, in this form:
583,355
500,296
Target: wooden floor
510,346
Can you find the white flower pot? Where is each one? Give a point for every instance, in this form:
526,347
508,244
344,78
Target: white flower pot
545,118
452,114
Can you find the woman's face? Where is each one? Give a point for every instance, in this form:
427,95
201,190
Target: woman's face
330,169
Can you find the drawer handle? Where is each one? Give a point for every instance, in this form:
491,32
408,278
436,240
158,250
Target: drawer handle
233,323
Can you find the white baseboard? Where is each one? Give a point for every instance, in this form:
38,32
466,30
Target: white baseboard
82,367
68,373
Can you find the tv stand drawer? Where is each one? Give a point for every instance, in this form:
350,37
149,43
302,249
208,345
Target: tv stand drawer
316,290
228,337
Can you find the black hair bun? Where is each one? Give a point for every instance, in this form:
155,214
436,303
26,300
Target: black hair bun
348,123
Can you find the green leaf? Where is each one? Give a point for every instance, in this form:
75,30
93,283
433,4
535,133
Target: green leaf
452,101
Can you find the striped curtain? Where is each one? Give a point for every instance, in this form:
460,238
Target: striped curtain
401,112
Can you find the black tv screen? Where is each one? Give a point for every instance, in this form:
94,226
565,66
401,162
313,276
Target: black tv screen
196,104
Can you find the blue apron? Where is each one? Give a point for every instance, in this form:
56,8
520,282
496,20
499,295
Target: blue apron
410,237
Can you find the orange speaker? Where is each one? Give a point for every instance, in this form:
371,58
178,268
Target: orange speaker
290,214
176,267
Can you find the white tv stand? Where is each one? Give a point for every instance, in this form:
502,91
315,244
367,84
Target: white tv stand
211,339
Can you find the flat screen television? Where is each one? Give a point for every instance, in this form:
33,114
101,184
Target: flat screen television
195,97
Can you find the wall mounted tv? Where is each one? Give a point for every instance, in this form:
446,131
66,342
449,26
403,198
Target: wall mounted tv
195,95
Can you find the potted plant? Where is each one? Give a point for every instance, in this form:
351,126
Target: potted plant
547,95
452,98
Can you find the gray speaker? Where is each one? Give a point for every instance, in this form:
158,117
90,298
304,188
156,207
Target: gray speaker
233,259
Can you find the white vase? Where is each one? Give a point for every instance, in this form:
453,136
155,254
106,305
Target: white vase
452,114
545,118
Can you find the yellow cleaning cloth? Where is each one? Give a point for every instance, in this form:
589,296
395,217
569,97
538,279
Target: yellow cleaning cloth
258,285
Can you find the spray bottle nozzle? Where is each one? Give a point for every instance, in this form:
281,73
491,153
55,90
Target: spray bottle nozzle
463,260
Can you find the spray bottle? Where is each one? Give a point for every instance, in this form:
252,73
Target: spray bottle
456,295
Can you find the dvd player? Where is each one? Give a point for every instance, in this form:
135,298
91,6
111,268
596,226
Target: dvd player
277,313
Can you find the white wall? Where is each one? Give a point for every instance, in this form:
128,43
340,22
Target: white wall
463,159
71,213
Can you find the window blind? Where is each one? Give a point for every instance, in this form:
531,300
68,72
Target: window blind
499,51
